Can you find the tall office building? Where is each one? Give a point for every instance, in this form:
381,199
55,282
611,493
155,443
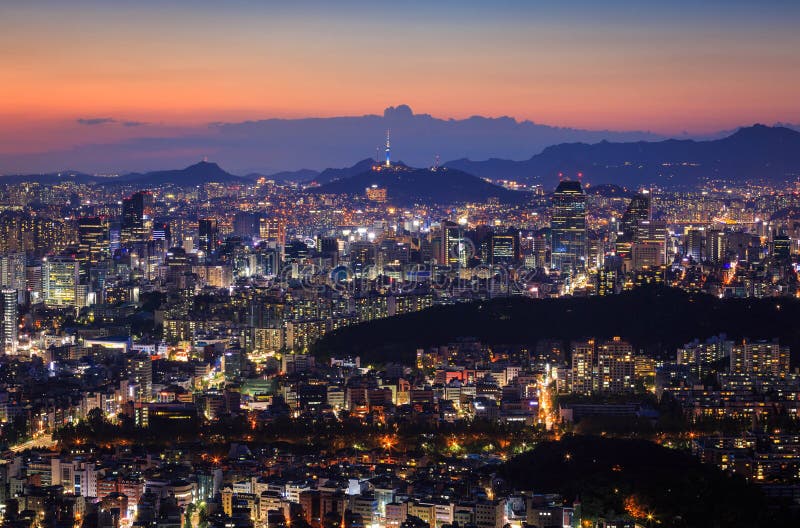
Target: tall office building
454,247
639,209
60,280
781,248
615,366
12,271
208,236
696,244
273,231
162,231
137,211
504,247
568,227
583,367
93,239
715,245
246,224
8,321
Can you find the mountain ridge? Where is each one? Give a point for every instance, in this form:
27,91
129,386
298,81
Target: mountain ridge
757,151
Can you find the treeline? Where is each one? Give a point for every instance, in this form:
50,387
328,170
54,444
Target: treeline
655,319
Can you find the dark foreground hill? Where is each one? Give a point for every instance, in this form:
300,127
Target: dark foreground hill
657,320
615,477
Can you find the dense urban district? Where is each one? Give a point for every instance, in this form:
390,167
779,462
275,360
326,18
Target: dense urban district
398,348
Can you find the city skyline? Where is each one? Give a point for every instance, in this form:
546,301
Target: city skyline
292,265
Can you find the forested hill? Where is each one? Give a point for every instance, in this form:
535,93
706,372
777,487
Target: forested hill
655,319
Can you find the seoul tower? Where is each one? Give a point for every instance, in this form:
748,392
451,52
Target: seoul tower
388,150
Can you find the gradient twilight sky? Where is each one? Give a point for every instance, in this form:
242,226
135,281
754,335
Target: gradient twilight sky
666,66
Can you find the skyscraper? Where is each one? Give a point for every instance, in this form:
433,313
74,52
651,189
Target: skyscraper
272,230
93,240
60,279
639,209
504,248
695,244
568,227
136,217
12,271
455,247
208,236
8,321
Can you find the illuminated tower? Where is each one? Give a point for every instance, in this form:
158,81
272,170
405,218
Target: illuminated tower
388,150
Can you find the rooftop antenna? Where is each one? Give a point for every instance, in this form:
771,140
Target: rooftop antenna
436,163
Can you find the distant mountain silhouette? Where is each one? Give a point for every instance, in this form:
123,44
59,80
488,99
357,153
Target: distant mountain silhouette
52,178
296,176
199,173
759,151
423,186
329,175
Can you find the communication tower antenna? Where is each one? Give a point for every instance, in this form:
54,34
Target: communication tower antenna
388,150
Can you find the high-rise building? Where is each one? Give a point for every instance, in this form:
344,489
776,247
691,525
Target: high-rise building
60,280
759,358
615,366
140,370
246,224
695,244
273,230
12,271
715,245
93,239
504,248
568,227
583,367
639,209
454,248
208,236
8,321
781,248
162,231
137,213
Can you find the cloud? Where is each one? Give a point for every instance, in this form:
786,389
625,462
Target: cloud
133,123
96,120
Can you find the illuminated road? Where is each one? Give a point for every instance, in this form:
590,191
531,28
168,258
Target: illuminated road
547,415
40,442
